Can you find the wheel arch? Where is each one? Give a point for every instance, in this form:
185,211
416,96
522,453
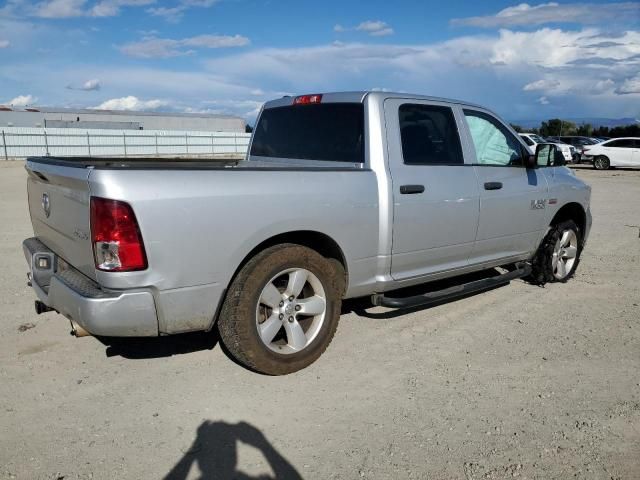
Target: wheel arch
572,211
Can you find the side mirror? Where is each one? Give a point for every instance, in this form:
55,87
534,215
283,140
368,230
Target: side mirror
547,154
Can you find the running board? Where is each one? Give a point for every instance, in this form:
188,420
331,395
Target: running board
380,300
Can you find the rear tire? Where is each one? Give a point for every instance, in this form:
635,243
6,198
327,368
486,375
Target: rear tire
601,163
282,309
558,256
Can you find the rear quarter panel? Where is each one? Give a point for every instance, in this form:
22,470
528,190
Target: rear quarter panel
198,226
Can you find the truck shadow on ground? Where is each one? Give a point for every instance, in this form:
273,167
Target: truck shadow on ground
158,347
215,453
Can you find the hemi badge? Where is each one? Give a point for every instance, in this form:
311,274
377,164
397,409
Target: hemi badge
553,201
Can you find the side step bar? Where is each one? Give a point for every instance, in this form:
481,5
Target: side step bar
380,300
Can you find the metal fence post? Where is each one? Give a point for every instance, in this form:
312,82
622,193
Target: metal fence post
156,135
88,143
46,143
4,144
124,142
186,142
213,150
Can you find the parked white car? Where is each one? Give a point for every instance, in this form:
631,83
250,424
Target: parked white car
531,139
617,152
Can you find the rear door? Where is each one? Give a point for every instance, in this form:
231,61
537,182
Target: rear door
435,194
512,198
59,208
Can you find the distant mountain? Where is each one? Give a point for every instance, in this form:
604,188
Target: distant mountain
593,121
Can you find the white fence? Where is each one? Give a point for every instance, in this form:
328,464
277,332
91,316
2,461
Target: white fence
18,142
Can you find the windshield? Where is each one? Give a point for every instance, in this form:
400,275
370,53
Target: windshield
330,131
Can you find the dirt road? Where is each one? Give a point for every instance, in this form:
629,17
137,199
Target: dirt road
520,381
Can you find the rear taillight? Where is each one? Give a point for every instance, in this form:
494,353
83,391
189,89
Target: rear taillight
117,242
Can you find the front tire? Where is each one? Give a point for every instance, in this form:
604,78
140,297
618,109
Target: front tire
601,163
558,256
282,309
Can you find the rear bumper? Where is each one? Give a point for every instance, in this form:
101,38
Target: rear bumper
124,313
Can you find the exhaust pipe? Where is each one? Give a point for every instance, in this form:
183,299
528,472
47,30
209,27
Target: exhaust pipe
77,331
42,307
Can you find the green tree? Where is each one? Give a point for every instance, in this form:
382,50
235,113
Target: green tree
557,126
517,128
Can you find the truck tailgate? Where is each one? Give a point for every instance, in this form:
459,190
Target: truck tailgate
59,208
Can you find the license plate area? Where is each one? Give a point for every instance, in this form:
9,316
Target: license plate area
43,267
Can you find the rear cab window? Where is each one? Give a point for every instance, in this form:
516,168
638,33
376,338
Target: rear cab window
331,132
429,135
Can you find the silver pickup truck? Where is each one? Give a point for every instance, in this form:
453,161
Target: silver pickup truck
341,195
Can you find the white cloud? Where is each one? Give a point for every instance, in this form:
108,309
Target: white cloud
59,8
131,103
93,84
547,84
543,100
630,86
375,28
152,47
581,13
175,14
593,70
110,8
4,43
171,15
22,101
88,86
74,8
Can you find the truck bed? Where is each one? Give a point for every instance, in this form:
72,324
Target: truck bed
183,163
139,163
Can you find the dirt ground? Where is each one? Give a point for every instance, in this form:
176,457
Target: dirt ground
521,381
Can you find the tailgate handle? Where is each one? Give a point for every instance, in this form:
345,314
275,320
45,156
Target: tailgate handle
411,189
493,185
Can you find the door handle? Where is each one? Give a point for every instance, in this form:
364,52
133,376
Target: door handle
411,189
493,185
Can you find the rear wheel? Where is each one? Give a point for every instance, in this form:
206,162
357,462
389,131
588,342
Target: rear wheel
558,256
282,309
601,163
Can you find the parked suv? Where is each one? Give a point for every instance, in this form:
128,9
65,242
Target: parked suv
532,140
342,195
619,152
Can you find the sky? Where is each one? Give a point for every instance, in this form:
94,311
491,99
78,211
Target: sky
525,61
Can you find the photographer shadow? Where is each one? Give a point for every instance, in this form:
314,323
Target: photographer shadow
215,453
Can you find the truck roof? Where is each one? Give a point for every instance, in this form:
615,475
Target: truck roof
359,96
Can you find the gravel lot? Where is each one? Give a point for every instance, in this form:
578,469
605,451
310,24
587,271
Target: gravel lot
520,381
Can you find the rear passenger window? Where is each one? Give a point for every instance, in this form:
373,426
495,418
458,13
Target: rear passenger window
494,144
626,143
429,135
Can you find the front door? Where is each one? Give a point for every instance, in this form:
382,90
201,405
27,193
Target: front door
435,194
620,152
512,198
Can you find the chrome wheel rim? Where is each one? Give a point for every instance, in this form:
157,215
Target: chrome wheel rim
600,163
565,253
291,311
